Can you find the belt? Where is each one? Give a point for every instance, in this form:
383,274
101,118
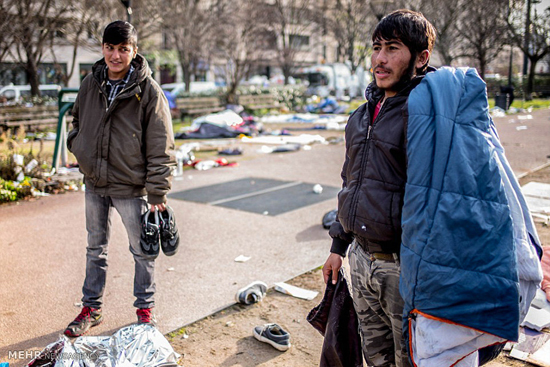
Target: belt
382,256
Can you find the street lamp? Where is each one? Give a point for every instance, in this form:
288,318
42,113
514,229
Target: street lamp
128,7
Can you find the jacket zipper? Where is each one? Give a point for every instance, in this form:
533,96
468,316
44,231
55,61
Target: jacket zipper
364,163
107,109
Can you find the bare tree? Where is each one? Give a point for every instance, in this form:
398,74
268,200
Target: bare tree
82,26
241,42
381,8
482,24
351,23
6,27
445,15
189,26
36,23
538,42
147,16
291,21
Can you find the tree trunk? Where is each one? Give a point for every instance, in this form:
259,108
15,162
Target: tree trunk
530,79
482,67
186,70
286,73
231,95
32,76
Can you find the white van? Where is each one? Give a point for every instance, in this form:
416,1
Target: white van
196,87
14,93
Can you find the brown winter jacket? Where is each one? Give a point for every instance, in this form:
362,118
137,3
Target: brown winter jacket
125,149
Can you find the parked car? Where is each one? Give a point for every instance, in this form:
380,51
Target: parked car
196,87
15,93
333,79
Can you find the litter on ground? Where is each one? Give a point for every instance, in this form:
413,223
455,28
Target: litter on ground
304,118
132,346
295,291
538,316
242,258
497,112
280,149
300,139
537,195
532,347
224,124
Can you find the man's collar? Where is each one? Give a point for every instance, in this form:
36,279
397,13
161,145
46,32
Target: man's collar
126,77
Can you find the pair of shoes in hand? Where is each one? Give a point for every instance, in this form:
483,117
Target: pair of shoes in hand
159,230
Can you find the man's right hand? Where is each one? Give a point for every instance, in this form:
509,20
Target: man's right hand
332,266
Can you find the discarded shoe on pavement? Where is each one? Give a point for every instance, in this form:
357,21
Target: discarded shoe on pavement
274,335
252,293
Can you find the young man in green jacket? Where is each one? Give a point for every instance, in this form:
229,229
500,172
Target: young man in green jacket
122,138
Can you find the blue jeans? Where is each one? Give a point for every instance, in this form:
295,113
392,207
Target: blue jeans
99,209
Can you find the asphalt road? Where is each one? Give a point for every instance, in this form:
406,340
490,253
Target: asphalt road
42,245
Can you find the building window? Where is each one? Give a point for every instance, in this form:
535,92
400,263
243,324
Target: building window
298,41
48,73
167,74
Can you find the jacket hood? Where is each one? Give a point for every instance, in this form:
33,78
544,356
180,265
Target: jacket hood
373,93
141,71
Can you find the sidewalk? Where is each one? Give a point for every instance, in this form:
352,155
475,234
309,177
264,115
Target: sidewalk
43,246
43,253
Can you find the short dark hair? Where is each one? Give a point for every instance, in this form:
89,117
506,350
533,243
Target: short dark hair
409,27
120,32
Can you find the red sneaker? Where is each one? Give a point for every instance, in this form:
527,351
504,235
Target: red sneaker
87,318
145,316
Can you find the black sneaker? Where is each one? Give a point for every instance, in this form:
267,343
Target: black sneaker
88,317
169,235
274,335
150,234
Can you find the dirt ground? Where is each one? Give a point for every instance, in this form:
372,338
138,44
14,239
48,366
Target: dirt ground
225,338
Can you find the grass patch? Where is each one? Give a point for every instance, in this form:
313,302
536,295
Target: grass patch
173,334
521,104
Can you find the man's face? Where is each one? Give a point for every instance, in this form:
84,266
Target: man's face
118,58
390,62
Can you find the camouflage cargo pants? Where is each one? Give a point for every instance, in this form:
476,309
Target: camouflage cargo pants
379,307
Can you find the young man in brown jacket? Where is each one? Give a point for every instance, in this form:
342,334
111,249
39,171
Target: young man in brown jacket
122,138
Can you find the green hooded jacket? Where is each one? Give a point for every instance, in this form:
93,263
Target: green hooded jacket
125,149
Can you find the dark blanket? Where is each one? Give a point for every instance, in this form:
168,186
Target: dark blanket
336,320
209,131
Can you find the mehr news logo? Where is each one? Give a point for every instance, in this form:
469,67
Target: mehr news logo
4,364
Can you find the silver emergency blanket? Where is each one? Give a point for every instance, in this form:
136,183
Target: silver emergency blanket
132,346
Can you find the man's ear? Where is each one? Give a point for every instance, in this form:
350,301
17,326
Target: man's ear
135,52
422,59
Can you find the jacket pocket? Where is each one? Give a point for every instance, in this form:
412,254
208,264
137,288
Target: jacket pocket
84,154
126,161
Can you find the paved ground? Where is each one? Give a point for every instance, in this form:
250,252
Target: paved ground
42,245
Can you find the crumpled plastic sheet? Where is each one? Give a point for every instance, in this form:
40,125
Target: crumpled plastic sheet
132,346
